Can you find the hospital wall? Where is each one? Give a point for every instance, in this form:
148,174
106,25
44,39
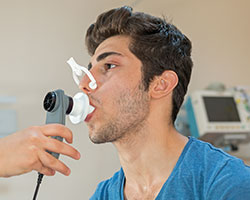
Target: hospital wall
36,39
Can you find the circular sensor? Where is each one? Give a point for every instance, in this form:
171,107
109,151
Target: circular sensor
49,101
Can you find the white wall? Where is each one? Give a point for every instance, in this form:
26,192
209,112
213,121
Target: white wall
37,37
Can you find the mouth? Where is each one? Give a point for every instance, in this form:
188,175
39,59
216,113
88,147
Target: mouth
90,115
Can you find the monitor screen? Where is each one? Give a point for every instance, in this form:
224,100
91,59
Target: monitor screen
221,109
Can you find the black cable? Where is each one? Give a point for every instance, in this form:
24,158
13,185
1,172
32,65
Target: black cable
39,180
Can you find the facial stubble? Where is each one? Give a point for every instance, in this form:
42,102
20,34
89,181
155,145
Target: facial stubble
132,110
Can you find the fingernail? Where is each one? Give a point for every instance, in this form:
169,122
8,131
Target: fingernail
78,155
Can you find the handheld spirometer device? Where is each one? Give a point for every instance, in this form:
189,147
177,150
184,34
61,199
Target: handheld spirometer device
58,105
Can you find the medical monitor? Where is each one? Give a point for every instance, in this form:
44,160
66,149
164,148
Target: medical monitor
216,115
221,109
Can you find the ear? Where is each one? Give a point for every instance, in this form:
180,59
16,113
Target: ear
164,84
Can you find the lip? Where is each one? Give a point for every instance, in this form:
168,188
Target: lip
89,116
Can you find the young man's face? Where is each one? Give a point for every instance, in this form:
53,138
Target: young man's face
121,104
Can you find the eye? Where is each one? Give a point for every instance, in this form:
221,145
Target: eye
110,66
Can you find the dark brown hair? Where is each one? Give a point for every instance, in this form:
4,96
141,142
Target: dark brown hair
159,45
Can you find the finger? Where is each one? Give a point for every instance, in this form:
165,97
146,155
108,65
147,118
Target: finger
46,171
57,130
51,162
57,146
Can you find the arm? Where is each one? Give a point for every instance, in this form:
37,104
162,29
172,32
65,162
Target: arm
24,151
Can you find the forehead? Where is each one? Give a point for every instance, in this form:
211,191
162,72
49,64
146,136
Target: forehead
119,44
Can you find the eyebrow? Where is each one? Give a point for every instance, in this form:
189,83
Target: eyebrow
103,56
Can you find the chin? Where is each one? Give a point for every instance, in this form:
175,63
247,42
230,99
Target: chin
101,138
96,140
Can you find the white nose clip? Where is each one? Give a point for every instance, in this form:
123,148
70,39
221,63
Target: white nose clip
77,71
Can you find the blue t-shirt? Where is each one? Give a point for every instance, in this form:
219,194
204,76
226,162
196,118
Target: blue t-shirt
202,172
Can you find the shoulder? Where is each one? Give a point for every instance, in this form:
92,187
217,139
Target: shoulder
110,188
224,176
204,153
213,160
232,181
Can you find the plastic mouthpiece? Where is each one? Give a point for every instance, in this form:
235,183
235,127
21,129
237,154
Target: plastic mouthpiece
81,108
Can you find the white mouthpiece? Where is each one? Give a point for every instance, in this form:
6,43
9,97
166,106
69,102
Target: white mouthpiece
81,108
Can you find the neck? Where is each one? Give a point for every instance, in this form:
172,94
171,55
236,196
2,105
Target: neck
149,155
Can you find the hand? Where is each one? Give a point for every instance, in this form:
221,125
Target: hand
25,151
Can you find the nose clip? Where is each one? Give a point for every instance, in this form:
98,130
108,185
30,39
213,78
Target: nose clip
77,71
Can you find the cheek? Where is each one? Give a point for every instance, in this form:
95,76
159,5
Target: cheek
110,96
111,86
105,94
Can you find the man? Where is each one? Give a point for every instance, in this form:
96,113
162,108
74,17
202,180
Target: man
142,66
24,151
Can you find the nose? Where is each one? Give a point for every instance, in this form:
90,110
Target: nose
84,84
